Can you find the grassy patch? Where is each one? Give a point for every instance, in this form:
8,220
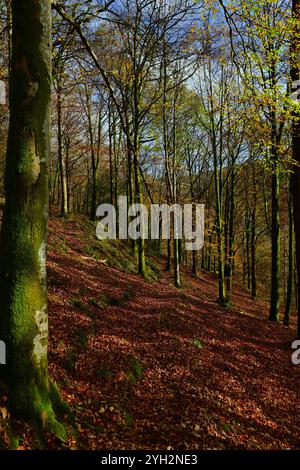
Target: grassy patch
69,361
80,305
114,301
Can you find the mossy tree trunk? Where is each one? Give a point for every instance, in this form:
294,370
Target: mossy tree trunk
139,201
289,293
23,292
231,238
220,234
177,260
275,238
253,237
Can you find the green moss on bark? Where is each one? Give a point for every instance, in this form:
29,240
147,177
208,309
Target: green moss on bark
23,292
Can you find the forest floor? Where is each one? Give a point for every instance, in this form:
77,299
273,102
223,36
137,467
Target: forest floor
146,366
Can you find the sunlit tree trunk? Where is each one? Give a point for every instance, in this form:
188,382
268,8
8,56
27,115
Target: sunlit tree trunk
61,157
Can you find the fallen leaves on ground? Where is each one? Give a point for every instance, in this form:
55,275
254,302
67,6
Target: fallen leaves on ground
147,366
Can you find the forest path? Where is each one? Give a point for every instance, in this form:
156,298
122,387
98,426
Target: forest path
147,366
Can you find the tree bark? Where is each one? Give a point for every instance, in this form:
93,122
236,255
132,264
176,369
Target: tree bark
289,292
23,292
275,241
61,158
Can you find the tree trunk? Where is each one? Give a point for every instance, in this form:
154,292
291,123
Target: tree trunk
231,239
23,292
169,256
177,281
247,264
253,237
289,293
253,255
111,131
139,200
61,159
275,239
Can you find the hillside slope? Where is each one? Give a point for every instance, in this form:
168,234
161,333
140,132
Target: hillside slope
146,366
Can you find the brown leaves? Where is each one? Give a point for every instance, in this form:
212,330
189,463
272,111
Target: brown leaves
4,422
210,380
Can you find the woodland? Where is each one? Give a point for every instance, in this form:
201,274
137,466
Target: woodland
142,344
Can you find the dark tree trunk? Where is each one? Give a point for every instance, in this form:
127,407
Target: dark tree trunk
289,292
